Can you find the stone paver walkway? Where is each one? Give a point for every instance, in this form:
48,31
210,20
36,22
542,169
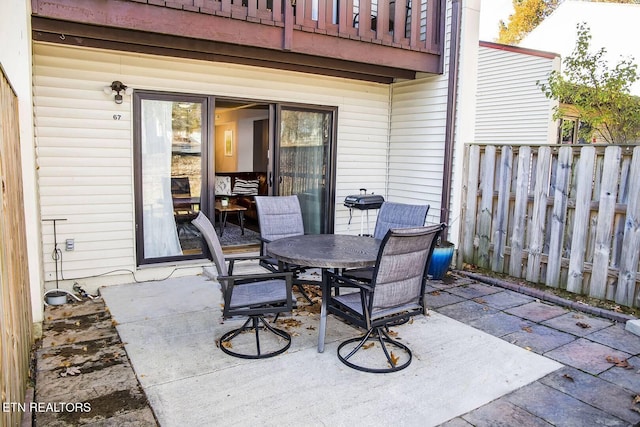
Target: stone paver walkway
601,377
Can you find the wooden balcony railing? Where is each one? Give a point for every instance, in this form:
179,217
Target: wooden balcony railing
388,22
370,39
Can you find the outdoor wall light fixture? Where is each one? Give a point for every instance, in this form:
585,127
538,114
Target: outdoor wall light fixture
117,88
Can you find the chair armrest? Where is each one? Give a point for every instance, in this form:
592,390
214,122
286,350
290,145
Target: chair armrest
338,281
232,261
248,278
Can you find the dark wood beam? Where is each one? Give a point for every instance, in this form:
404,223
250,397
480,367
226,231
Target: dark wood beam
175,53
135,41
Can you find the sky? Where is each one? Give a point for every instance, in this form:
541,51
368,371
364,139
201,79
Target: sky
491,12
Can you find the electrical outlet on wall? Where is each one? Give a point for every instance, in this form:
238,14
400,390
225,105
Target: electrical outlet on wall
70,244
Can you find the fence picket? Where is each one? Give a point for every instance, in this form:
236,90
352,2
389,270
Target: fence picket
486,206
606,212
584,178
502,209
560,198
538,221
473,171
520,212
631,242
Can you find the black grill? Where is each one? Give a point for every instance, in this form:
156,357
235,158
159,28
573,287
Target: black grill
363,201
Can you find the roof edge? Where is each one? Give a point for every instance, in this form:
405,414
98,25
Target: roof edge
518,49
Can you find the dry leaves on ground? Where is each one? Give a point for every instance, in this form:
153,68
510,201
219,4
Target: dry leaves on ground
583,325
72,371
620,363
394,359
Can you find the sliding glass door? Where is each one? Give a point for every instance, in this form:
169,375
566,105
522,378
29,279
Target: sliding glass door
304,163
171,140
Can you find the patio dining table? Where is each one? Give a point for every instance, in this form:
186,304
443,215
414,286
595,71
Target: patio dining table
325,251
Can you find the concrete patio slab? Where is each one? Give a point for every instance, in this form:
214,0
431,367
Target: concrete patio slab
170,328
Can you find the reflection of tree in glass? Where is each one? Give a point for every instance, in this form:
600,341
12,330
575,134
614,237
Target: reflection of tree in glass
303,128
185,120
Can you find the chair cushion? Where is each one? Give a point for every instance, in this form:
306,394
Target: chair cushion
223,186
257,293
248,187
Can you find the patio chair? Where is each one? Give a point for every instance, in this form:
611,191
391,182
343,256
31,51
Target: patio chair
254,295
280,217
395,294
183,209
392,215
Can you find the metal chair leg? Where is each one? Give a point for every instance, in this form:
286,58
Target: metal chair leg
253,324
377,334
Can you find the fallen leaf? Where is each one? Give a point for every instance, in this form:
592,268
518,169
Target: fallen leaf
528,348
620,363
569,377
392,333
633,408
527,329
434,293
479,300
636,399
368,346
70,371
394,359
583,325
227,344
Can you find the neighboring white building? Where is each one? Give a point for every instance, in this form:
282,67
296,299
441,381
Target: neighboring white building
510,107
611,26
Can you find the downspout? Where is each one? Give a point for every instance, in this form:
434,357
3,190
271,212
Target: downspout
452,97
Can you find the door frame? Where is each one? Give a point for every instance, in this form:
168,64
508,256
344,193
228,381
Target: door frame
330,176
206,154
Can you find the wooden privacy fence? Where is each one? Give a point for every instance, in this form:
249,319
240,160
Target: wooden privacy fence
15,305
561,215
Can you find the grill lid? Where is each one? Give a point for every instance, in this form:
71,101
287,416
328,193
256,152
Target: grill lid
363,201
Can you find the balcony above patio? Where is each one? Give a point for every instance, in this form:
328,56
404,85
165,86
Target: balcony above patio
358,39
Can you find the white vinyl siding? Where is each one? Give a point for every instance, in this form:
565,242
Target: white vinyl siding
417,138
416,154
85,151
510,106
